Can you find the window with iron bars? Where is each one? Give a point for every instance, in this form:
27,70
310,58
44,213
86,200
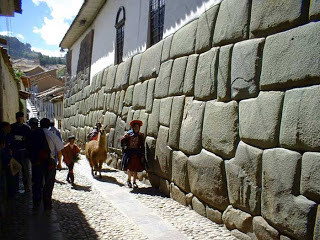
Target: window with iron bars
119,35
157,8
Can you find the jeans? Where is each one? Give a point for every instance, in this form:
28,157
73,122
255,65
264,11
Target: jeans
21,157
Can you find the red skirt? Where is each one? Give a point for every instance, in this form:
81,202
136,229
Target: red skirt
135,164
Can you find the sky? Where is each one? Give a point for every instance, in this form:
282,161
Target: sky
43,23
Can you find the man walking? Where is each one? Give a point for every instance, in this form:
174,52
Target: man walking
20,133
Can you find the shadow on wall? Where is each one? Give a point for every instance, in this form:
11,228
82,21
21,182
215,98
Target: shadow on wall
74,225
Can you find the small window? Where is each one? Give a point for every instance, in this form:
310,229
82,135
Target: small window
156,20
120,20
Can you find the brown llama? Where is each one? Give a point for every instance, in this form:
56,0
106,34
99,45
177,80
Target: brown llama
96,152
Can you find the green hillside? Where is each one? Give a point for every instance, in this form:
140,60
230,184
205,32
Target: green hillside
19,49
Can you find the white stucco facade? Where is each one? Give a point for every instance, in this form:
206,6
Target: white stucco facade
177,14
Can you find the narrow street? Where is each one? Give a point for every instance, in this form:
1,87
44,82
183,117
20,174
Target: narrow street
107,209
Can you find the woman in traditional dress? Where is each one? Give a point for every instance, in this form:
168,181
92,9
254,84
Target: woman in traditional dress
133,160
69,152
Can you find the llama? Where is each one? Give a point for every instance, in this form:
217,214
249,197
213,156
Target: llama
96,152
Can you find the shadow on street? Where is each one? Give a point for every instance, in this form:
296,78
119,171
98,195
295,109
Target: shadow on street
148,191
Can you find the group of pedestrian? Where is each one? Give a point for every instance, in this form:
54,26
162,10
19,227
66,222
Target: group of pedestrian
23,144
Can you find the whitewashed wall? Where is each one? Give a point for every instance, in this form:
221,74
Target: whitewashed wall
177,14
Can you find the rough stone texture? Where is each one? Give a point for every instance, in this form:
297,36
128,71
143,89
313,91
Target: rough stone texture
134,71
116,102
144,118
316,231
177,76
165,111
282,237
163,80
205,29
179,170
111,78
122,76
153,120
263,231
259,119
300,128
244,178
108,102
119,132
183,42
314,13
214,215
198,206
240,235
163,154
150,62
175,121
206,179
220,128
129,118
178,195
150,93
104,77
140,95
267,16
310,176
232,22
166,48
191,126
122,94
224,73
245,68
150,153
190,75
164,186
205,81
280,182
235,218
128,96
297,53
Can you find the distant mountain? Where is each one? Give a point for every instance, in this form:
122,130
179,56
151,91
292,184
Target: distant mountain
19,49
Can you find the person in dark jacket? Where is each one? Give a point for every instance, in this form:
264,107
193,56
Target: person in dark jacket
20,133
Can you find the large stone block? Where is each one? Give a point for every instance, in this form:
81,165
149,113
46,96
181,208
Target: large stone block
122,76
245,68
244,178
150,62
235,218
178,195
232,22
191,126
300,128
163,80
310,176
134,71
316,231
179,170
165,111
104,77
297,54
240,235
111,76
205,81
150,93
150,148
166,48
205,29
259,119
175,121
198,206
190,75
119,132
206,179
183,42
263,231
140,95
220,128
214,215
116,102
267,16
163,154
128,96
153,120
290,214
122,94
224,76
177,76
314,13
144,118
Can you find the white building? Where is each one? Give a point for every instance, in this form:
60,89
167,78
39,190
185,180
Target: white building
111,31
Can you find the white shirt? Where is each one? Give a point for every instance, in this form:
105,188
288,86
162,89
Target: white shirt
55,144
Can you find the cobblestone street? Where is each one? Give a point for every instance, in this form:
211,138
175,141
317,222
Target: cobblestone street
107,209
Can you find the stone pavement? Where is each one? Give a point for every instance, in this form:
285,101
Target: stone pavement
106,209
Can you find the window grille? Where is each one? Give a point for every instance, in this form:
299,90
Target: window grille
157,8
120,35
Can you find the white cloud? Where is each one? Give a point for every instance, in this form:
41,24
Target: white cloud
12,34
54,28
51,53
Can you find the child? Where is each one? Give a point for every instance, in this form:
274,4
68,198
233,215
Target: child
69,153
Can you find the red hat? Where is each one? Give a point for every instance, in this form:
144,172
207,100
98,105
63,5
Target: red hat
133,122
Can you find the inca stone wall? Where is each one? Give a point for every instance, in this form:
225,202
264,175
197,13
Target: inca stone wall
231,111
